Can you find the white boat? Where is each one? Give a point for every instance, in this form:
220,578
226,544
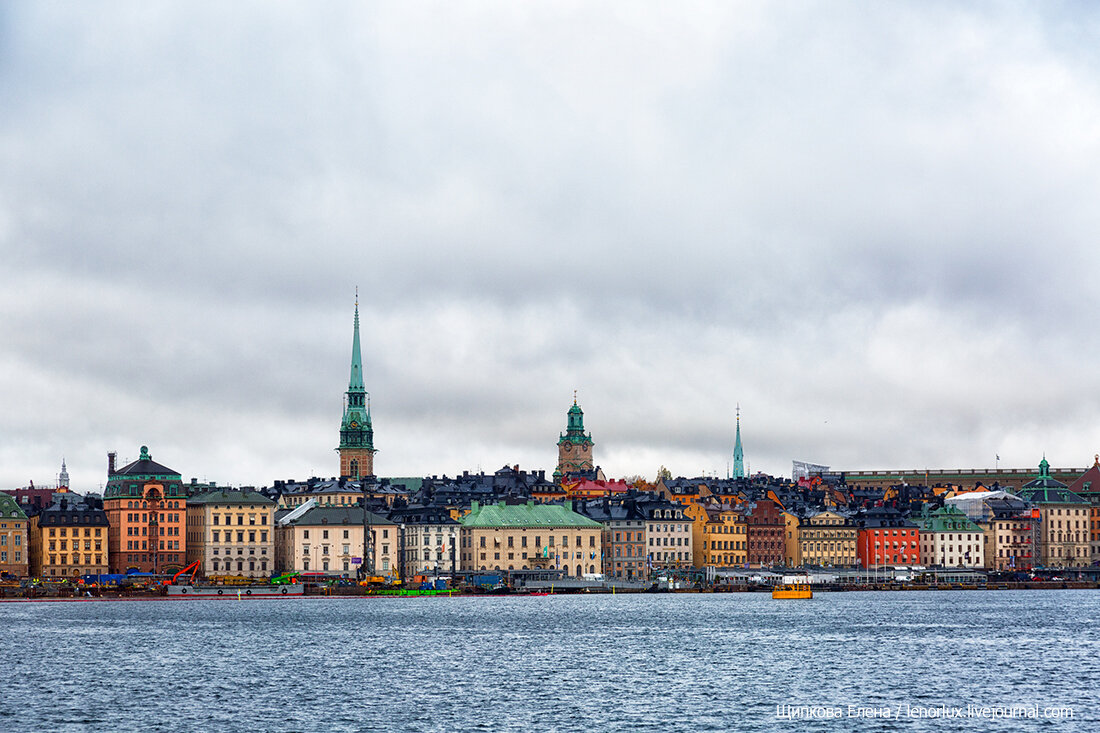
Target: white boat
237,591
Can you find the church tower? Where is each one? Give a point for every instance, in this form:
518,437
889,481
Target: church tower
356,434
738,451
574,446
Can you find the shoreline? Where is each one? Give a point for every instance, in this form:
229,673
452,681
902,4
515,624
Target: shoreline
591,592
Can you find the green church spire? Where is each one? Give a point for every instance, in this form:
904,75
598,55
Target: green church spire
355,428
738,451
355,384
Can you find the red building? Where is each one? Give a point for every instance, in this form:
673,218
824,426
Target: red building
765,534
886,538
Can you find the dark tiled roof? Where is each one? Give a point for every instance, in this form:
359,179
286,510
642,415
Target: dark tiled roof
1050,494
337,516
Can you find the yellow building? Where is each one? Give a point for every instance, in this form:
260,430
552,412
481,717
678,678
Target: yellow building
525,536
697,513
827,539
725,539
69,539
14,539
792,551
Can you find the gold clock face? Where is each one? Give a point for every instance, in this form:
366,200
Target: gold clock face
354,424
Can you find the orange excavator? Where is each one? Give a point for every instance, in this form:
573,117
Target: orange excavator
193,567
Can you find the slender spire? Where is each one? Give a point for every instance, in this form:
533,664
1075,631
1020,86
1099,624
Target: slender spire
355,383
738,451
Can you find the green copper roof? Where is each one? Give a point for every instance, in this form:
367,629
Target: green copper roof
574,431
947,519
231,497
128,480
355,383
9,508
355,428
528,515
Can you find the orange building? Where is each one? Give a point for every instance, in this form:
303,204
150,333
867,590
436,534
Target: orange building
146,506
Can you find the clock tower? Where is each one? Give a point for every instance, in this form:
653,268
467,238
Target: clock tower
356,434
574,445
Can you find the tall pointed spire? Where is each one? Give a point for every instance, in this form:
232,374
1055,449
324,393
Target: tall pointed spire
738,451
355,383
356,433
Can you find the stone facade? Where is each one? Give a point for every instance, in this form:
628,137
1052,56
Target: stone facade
330,540
231,533
529,536
668,535
827,539
949,539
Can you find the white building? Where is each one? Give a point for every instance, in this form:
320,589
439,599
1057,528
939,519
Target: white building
330,540
949,539
232,533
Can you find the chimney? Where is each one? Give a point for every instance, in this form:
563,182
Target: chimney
111,463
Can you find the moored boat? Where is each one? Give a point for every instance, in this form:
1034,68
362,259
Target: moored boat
792,591
236,591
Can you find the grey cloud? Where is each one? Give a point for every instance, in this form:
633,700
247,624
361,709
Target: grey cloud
872,228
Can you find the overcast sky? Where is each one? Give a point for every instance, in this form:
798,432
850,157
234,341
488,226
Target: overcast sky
872,225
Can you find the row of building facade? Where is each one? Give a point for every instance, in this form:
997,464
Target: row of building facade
149,520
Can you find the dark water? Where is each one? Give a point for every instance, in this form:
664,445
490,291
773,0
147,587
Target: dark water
570,663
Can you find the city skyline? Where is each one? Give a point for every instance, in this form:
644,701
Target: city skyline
871,228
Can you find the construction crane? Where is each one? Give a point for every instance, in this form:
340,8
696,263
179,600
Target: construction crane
193,567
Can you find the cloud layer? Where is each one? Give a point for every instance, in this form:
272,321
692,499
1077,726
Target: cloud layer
871,227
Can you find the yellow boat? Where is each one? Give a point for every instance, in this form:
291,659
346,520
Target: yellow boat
792,591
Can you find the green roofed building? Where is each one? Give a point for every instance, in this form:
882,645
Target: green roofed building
1063,520
529,536
948,538
14,539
